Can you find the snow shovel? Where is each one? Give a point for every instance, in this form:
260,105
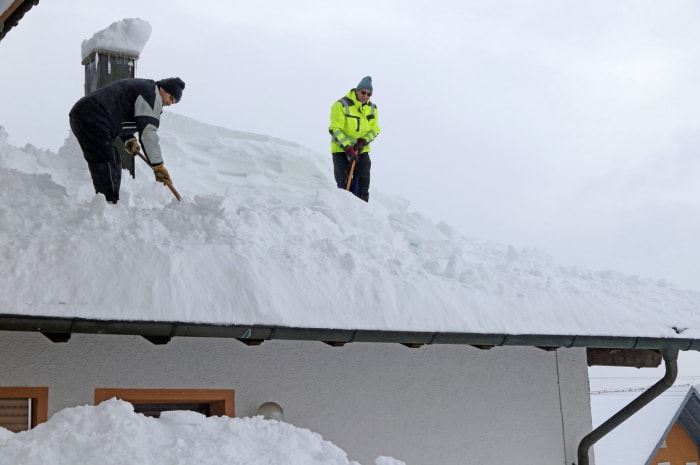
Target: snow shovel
352,169
167,183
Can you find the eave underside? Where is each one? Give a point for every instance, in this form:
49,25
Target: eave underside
14,13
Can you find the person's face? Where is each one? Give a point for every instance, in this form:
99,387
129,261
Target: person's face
363,95
167,98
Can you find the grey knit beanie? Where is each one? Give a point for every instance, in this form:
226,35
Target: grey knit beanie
365,83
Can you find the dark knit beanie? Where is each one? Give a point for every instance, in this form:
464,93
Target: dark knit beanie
173,86
365,83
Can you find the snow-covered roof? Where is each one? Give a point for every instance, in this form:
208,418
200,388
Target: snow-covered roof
263,245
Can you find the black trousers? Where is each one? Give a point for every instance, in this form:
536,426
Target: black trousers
341,170
103,159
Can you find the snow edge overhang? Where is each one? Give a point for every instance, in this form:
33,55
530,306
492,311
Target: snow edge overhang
160,332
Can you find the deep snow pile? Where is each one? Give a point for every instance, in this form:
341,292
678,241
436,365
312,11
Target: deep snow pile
262,236
112,434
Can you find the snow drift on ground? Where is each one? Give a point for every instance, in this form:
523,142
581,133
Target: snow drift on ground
112,434
262,236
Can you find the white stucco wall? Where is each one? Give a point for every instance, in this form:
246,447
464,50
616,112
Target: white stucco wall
451,405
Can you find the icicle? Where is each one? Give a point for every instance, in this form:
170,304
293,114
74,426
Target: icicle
109,65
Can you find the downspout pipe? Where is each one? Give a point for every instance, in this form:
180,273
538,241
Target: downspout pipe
670,357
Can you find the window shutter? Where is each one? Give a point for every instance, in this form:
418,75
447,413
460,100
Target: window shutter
14,414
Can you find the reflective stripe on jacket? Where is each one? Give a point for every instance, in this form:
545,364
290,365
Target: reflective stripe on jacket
350,121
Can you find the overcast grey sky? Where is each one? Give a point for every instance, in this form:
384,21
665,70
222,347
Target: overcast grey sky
569,126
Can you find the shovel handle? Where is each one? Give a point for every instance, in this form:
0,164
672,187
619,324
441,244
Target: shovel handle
173,190
167,183
352,169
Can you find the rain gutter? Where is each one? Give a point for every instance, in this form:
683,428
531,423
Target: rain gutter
670,357
59,329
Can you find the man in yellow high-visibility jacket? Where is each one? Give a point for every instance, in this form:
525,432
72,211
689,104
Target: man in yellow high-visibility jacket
354,125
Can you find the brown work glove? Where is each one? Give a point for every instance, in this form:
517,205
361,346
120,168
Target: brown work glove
351,153
161,174
132,146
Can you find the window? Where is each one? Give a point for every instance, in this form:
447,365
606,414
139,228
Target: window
151,402
22,408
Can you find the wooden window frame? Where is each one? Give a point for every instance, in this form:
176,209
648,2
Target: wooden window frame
39,397
221,401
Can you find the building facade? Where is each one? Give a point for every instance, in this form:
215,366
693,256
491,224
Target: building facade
452,404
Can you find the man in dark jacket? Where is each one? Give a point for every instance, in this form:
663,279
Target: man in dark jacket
127,109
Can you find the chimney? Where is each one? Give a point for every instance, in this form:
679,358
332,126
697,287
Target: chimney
111,55
103,67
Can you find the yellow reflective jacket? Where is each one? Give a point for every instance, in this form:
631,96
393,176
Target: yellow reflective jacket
350,121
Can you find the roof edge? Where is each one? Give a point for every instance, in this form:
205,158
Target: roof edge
260,333
13,14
